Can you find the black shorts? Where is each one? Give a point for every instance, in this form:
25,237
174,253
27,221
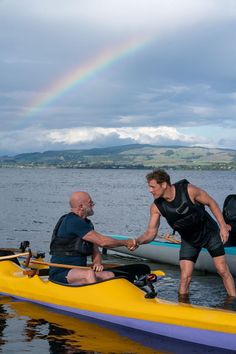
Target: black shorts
60,277
214,246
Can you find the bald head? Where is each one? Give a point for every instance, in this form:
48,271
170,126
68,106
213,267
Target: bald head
81,204
78,198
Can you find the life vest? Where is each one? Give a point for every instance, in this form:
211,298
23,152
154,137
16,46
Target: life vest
70,245
184,216
229,214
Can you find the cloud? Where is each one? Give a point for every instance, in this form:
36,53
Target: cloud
37,139
203,110
127,13
143,135
42,139
183,79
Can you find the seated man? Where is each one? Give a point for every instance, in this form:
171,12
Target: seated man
74,239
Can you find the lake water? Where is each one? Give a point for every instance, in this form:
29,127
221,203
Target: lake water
32,200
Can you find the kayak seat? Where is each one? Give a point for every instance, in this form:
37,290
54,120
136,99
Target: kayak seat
130,272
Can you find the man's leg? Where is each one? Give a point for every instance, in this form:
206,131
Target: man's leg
80,276
188,255
104,275
216,249
186,268
223,270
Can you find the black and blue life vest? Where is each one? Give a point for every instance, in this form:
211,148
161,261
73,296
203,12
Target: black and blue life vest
70,245
187,218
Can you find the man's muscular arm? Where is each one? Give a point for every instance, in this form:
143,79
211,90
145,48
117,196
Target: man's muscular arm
153,225
199,195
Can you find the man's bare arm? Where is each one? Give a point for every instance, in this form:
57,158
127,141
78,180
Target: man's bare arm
199,195
97,259
153,225
105,241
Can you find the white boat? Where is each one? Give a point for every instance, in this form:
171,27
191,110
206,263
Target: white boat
168,253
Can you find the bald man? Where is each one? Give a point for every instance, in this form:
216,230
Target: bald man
74,239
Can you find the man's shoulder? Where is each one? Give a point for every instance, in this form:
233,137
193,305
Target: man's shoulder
154,206
77,220
75,224
72,219
183,181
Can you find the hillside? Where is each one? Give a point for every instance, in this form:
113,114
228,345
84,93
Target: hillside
128,156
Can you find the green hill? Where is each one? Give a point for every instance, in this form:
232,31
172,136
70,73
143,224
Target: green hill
128,156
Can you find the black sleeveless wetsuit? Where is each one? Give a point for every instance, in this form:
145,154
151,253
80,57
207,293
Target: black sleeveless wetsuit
196,227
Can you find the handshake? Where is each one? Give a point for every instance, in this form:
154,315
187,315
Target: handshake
131,244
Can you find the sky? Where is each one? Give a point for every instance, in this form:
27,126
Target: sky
79,74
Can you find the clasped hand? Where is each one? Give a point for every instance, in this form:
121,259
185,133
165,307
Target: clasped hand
132,244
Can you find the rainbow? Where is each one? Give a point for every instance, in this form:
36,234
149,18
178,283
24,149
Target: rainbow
82,73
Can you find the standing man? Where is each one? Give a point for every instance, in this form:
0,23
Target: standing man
182,204
74,239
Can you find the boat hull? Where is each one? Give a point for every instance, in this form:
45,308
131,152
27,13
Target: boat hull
119,302
168,253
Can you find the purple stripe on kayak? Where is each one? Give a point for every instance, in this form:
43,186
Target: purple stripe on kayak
195,335
189,334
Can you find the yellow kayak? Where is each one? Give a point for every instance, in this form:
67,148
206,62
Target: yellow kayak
120,302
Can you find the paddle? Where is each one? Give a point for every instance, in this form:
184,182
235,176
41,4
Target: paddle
14,256
171,239
68,266
32,272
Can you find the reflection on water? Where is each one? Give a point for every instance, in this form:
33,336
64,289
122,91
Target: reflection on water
64,334
43,330
185,299
3,323
230,303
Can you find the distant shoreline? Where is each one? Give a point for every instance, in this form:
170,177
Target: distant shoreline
134,156
177,168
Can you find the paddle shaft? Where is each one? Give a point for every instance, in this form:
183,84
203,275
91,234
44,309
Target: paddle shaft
14,256
67,265
159,273
171,239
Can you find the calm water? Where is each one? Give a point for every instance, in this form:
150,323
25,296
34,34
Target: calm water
32,200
